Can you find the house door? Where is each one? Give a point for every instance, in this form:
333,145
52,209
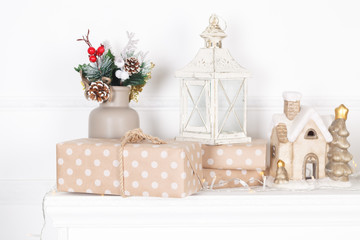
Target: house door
311,167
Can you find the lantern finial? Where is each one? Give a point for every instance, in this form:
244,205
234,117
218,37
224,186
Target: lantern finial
213,34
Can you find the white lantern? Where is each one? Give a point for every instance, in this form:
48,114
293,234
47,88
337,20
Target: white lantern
213,93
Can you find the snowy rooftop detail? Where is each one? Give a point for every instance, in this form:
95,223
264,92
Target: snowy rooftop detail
292,96
295,126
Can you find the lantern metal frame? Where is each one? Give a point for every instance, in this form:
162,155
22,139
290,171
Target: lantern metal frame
211,67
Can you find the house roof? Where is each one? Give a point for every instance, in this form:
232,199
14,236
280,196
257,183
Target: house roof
294,127
291,96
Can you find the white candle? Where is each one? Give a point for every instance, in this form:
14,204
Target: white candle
264,182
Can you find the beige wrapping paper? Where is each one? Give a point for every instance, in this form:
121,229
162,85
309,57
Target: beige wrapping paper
230,178
93,166
249,156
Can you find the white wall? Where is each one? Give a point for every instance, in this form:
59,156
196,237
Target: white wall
308,46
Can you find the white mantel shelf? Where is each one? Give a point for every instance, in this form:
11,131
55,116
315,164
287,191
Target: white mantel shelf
328,214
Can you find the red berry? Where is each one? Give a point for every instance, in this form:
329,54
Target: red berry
91,50
92,58
100,50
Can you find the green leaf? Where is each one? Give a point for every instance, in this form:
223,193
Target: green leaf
80,67
134,80
110,55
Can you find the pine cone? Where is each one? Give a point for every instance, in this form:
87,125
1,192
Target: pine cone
98,91
132,66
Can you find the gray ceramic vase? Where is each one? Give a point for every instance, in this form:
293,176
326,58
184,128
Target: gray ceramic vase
114,118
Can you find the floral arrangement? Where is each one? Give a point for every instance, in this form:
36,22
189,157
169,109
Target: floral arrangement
128,68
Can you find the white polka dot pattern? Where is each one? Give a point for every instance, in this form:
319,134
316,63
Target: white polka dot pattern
60,161
106,152
154,164
229,161
144,154
164,175
149,169
78,162
135,164
79,181
154,185
144,174
258,152
61,181
116,163
248,162
174,165
174,185
135,184
87,172
87,152
164,154
235,156
116,183
239,152
106,173
97,182
69,151
125,153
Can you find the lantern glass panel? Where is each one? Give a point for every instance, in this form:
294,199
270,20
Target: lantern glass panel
196,117
230,106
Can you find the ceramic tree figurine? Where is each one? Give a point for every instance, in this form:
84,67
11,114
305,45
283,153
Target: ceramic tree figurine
281,173
338,168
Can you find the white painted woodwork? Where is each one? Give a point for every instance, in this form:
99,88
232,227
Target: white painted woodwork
207,215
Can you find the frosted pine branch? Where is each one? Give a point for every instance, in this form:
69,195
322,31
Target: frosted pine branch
141,56
130,47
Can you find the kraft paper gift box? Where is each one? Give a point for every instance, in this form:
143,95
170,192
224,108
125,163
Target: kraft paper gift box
93,166
221,178
250,156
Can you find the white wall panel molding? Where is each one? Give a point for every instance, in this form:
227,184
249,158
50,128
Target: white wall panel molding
167,103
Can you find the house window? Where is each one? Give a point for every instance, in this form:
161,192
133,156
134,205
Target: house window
273,151
311,134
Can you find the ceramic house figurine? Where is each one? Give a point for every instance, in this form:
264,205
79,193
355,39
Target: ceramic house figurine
300,139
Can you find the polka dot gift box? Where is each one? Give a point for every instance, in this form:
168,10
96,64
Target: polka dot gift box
165,170
249,156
